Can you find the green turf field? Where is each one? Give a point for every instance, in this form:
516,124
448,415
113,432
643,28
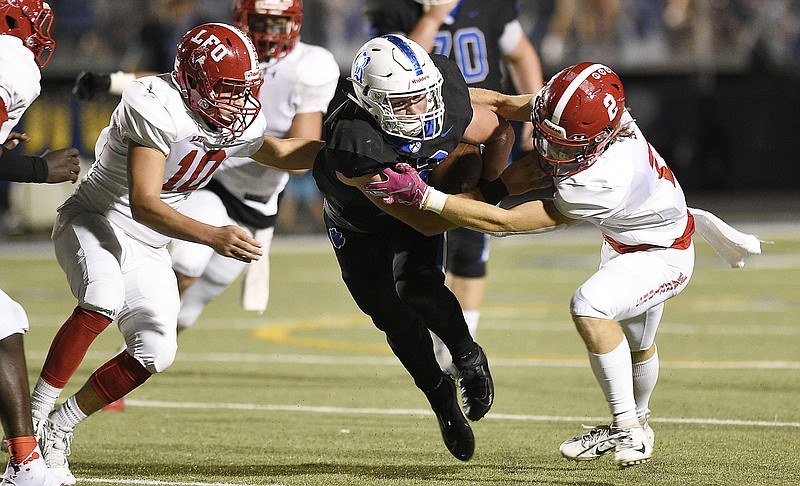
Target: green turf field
309,394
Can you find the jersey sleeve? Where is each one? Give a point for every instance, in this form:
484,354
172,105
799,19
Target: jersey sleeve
589,200
145,119
318,79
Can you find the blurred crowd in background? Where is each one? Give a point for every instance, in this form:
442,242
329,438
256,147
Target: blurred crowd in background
738,56
654,35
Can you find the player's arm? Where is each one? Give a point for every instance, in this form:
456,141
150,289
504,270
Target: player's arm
145,179
403,185
88,83
528,217
510,107
55,166
305,125
425,222
427,26
288,153
525,70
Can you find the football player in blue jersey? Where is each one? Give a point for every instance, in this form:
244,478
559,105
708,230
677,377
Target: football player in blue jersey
486,41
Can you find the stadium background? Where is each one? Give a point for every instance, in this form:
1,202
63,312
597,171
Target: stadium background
713,83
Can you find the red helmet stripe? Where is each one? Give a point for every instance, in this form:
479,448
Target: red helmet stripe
571,89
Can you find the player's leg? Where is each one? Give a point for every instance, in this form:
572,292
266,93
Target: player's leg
466,257
25,464
89,251
605,310
367,272
15,410
419,281
147,321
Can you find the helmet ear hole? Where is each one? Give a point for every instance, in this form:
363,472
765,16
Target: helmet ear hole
11,21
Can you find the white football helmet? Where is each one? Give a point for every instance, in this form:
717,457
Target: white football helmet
392,67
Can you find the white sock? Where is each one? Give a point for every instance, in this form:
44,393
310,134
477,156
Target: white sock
44,397
69,414
614,374
472,317
645,376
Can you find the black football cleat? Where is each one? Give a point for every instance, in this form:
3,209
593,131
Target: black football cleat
477,387
456,432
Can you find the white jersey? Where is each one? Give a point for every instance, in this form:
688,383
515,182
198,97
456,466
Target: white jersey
20,81
152,113
629,193
302,82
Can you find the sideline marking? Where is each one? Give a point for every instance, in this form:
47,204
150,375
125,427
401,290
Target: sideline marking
388,360
417,411
165,483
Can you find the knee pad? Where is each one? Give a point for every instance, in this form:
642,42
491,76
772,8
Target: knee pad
156,352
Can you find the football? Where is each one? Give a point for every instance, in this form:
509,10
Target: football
463,165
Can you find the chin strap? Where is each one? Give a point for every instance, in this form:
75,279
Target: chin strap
731,245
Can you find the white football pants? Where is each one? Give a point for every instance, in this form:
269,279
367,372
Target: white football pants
631,288
13,319
120,277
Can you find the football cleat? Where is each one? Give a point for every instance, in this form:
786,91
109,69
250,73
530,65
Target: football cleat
477,387
32,471
633,447
597,442
55,441
456,432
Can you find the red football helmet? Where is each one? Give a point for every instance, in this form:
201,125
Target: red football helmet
576,115
30,20
273,25
217,71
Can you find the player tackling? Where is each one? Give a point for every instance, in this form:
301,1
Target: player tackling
605,172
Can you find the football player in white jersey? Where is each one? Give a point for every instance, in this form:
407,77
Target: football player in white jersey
605,172
300,81
166,138
25,47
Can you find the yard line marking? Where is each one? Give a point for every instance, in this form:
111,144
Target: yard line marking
521,362
413,411
165,483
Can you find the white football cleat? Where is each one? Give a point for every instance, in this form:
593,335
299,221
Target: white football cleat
32,471
634,447
55,442
597,442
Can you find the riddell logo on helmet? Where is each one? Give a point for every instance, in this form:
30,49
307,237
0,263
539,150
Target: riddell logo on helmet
262,6
420,79
219,50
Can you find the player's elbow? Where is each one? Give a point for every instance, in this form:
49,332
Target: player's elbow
431,228
141,210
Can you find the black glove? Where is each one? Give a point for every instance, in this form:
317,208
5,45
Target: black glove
88,84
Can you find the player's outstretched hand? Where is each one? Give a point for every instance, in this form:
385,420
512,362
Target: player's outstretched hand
88,84
525,174
402,185
233,242
62,165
